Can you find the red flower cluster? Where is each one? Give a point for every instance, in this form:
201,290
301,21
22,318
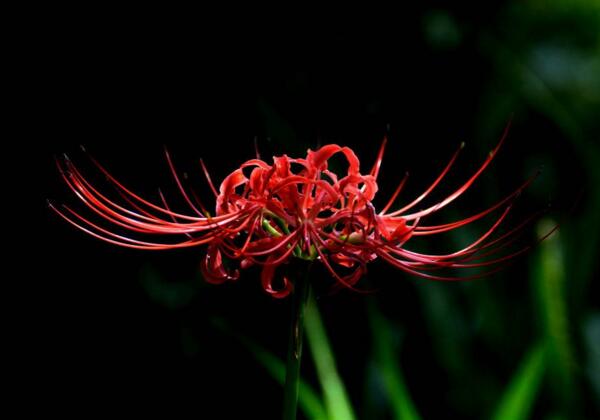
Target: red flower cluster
267,214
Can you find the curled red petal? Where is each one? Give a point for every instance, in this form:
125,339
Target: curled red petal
228,186
318,159
213,269
266,277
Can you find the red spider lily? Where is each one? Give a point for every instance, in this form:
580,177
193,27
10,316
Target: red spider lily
267,214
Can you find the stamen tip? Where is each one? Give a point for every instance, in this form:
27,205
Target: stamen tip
256,147
83,149
462,145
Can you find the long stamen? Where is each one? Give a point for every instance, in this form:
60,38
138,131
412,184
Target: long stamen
125,190
164,200
395,195
207,175
377,164
432,186
467,184
431,230
179,185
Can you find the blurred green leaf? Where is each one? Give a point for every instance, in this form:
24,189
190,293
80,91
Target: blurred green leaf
172,295
308,400
541,95
519,396
447,326
591,333
549,279
386,358
336,398
441,30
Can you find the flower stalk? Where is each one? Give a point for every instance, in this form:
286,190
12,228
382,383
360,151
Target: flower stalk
294,356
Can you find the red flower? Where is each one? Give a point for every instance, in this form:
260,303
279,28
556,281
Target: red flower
267,214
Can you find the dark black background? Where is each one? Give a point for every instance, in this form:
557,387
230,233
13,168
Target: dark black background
98,339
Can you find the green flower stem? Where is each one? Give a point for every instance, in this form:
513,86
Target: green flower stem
294,356
266,224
